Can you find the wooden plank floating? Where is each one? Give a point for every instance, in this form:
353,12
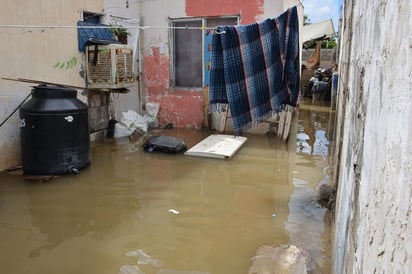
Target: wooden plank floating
218,146
224,118
281,123
288,120
41,178
282,120
18,170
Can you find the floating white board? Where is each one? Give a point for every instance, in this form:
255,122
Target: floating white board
217,146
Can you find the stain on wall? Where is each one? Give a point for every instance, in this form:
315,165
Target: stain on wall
156,71
249,9
373,209
184,108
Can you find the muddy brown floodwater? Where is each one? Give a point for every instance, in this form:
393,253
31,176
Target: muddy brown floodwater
136,212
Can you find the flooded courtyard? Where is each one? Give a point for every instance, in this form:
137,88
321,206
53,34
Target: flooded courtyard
136,212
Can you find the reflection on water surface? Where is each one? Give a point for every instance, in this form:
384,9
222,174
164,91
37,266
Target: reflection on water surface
135,212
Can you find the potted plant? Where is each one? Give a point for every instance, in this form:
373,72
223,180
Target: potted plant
120,31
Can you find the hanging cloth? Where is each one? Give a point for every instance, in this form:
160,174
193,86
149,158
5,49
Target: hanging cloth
314,60
255,68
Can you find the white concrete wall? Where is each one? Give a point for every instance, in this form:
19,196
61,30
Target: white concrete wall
36,51
127,13
156,19
373,231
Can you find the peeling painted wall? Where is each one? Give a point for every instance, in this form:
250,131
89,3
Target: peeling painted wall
249,10
180,106
51,54
373,228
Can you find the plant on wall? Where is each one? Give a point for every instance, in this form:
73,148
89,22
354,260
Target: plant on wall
120,31
326,44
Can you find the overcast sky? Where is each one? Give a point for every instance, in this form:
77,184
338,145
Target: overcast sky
320,10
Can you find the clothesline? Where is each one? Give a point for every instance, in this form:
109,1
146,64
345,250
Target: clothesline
101,27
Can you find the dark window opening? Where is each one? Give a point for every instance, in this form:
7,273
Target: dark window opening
188,54
189,50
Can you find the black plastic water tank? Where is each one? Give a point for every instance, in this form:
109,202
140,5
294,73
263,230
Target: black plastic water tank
54,131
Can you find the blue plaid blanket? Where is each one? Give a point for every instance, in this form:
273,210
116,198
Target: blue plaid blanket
255,68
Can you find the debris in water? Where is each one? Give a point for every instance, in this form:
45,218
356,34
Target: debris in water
278,259
170,271
174,211
143,258
130,269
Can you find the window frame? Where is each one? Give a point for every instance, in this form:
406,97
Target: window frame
172,45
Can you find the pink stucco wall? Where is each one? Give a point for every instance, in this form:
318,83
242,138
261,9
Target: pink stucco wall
184,108
156,71
249,9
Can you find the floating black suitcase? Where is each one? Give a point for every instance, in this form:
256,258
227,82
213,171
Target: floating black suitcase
166,144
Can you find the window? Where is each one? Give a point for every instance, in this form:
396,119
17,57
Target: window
92,17
189,49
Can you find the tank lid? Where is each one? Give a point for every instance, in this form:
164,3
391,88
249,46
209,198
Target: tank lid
53,91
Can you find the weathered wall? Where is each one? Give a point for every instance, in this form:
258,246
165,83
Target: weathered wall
327,56
50,53
250,10
43,50
183,108
36,53
127,13
373,231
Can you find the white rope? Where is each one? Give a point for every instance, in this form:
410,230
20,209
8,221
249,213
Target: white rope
98,27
